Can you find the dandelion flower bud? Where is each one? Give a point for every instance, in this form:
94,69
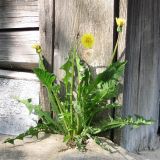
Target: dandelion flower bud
37,47
120,23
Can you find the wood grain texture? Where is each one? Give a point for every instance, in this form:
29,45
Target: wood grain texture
47,41
15,49
141,93
47,31
18,75
122,40
18,13
123,4
74,17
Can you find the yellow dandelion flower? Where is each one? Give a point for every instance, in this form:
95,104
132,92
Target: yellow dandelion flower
87,40
37,47
120,22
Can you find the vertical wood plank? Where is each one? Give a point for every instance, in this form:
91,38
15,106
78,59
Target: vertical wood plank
47,41
123,5
141,92
77,17
122,41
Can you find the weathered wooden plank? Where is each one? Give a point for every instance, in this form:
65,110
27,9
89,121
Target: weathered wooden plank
141,94
18,75
47,41
123,6
18,13
74,17
47,31
16,50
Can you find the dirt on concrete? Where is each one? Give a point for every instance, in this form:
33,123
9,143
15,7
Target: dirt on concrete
52,147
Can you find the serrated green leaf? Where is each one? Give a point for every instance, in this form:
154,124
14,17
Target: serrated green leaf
68,73
9,140
120,122
107,91
21,136
33,131
45,77
113,72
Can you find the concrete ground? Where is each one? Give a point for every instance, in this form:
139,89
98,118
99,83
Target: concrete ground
51,147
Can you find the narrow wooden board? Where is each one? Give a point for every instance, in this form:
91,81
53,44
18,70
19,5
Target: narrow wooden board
47,17
18,75
19,14
16,50
121,53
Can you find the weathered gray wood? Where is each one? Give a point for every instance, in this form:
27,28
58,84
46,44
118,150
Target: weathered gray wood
18,75
141,94
74,17
18,13
47,41
122,40
121,56
47,31
16,49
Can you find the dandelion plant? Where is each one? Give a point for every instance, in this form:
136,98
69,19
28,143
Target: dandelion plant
84,97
